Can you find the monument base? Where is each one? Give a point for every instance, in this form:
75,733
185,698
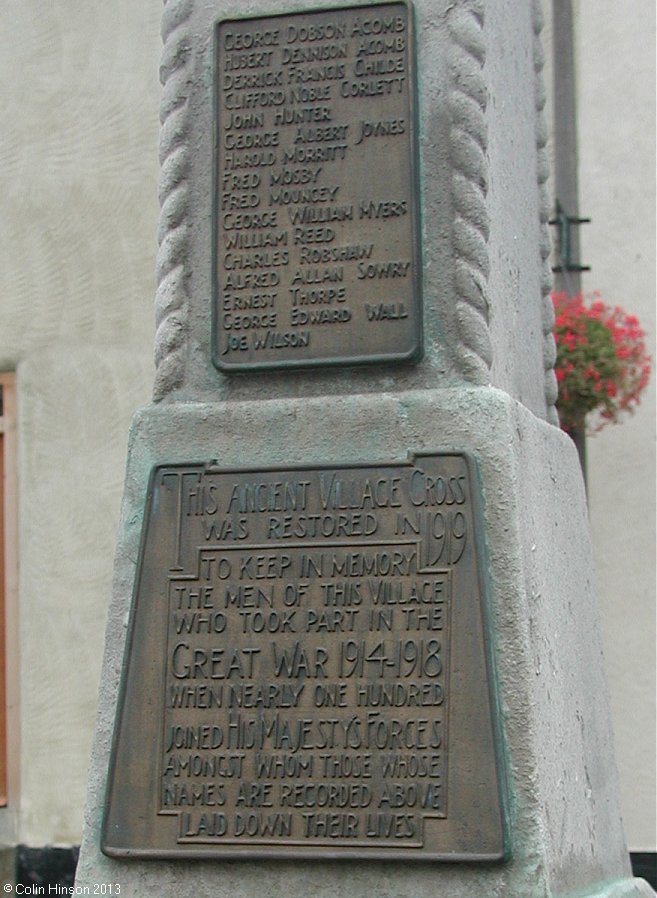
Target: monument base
563,828
628,887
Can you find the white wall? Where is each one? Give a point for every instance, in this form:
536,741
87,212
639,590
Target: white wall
78,180
615,58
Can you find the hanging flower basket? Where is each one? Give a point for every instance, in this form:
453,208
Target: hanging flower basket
602,366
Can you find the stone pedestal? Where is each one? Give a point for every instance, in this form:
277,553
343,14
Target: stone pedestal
565,833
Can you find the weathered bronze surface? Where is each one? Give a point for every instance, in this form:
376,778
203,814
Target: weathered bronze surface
315,220
306,672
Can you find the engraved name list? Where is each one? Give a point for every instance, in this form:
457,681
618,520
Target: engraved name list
316,258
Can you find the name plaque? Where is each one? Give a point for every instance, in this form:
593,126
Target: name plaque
306,671
316,258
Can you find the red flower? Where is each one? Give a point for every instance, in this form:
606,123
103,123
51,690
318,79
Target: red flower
602,365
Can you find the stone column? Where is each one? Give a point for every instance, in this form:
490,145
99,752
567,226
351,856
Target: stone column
515,717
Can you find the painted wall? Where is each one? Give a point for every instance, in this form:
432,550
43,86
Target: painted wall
77,244
78,181
615,60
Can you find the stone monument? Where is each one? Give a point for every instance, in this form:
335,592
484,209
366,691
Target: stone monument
352,621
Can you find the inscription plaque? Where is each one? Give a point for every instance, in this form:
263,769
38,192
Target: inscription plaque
315,222
306,671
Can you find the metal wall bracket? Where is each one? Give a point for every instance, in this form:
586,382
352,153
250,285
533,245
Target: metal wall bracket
564,223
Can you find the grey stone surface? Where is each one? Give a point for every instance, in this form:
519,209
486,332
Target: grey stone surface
566,832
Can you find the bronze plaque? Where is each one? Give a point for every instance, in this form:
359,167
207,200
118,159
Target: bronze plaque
315,223
307,672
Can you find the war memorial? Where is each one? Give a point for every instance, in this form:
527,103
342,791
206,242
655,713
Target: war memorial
353,643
